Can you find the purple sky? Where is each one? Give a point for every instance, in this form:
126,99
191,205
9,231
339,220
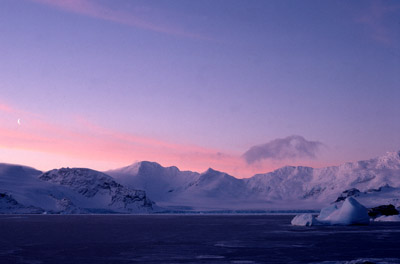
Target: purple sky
198,84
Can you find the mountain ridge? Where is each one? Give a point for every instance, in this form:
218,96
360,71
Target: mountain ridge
127,190
289,183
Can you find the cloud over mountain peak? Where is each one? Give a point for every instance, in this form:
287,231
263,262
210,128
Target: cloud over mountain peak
291,147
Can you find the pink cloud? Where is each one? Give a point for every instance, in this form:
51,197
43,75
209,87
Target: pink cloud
87,141
95,9
10,110
6,108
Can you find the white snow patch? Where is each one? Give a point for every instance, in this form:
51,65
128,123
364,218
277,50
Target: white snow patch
388,218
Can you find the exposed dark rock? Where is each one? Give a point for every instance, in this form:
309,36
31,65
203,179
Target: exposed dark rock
8,205
85,181
314,192
387,186
90,183
382,210
350,192
127,198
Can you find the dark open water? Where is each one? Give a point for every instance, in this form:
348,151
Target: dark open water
190,239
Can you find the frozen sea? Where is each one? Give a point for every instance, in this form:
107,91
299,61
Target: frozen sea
191,239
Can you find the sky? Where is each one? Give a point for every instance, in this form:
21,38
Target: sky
241,86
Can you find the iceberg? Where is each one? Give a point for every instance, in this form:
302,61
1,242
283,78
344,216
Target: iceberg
304,220
350,213
325,212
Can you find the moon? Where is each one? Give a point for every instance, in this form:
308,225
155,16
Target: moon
19,121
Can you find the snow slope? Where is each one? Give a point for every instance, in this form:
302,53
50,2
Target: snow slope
182,189
26,190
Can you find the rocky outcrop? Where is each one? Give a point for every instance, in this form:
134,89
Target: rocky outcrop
87,182
382,210
8,205
90,184
348,193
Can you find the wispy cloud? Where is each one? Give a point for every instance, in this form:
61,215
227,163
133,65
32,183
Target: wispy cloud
292,147
6,108
46,142
375,19
12,111
84,140
96,9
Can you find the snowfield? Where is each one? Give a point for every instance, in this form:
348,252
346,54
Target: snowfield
147,187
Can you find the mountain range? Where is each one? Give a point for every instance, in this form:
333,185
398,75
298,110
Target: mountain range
146,187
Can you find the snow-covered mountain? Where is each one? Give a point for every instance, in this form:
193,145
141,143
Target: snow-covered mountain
160,183
215,184
374,182
210,190
181,189
76,190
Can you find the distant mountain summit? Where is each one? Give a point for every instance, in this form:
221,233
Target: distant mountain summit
10,173
212,183
161,183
